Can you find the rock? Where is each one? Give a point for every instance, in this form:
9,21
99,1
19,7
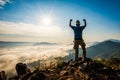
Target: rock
72,70
15,78
38,76
95,65
62,65
52,76
63,78
74,64
2,75
88,60
22,69
70,79
65,67
106,70
88,70
68,68
82,67
87,77
26,76
85,63
76,75
50,71
63,73
70,60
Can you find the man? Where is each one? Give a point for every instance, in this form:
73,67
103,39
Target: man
78,40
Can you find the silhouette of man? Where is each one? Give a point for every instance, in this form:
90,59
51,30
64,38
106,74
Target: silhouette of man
78,40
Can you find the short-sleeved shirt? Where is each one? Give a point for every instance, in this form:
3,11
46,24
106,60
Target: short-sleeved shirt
77,32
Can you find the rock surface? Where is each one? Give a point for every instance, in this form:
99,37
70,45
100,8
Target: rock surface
71,70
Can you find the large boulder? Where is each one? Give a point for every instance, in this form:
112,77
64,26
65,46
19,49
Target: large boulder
22,69
2,75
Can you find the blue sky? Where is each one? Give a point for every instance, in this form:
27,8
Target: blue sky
24,20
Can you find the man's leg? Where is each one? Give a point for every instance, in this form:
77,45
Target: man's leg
76,54
84,52
76,47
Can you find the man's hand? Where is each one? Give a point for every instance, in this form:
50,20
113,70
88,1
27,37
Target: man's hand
70,23
84,23
70,20
84,19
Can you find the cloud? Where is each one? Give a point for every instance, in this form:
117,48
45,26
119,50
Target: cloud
29,54
32,30
3,2
28,29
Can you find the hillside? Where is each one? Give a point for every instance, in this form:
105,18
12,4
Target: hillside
106,49
71,70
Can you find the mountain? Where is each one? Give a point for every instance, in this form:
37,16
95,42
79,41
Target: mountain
105,49
45,43
4,44
14,44
92,43
114,40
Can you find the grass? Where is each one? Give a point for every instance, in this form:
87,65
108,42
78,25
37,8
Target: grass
49,63
114,63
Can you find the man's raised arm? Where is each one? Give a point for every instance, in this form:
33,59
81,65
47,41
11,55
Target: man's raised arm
70,24
85,24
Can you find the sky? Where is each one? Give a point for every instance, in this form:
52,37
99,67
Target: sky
48,20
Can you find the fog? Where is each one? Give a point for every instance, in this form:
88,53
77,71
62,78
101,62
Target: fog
12,53
10,56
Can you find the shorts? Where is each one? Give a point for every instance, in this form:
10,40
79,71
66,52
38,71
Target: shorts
79,42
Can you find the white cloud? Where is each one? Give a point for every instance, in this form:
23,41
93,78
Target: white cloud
29,54
3,2
33,30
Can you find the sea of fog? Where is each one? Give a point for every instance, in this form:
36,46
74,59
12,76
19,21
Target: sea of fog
13,52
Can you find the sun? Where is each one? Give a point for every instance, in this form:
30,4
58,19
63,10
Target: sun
47,20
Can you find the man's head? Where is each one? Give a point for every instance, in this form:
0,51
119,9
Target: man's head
77,23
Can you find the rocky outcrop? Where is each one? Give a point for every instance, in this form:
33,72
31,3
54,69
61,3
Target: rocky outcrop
22,69
2,75
71,70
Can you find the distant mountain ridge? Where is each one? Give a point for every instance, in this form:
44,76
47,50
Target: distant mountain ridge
45,43
4,44
113,40
10,44
105,49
